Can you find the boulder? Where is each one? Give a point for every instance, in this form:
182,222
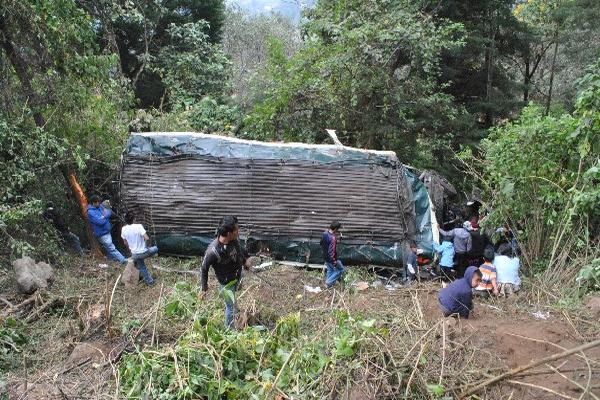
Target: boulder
31,276
35,391
97,351
255,261
131,275
593,304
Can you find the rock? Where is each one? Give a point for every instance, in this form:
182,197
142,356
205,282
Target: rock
36,391
254,261
131,275
96,351
31,276
593,304
357,393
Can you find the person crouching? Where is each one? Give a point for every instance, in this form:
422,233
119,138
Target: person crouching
488,284
457,298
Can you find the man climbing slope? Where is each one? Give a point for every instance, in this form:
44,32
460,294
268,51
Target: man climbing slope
225,255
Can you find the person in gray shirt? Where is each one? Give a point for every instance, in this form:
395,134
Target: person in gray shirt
461,238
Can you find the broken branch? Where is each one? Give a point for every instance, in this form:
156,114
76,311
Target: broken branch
532,364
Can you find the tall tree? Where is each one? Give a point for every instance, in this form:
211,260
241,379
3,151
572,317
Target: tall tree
142,32
62,77
246,39
475,74
565,38
369,69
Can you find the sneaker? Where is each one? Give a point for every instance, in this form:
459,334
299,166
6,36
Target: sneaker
151,283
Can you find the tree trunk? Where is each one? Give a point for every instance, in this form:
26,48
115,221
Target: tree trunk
82,202
26,77
490,66
531,69
549,98
526,82
102,13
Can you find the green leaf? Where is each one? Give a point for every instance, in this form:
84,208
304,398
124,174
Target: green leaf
436,390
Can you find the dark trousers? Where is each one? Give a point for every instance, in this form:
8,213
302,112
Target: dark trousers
461,260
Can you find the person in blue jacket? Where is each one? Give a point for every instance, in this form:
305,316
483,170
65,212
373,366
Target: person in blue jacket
99,218
335,268
446,252
457,297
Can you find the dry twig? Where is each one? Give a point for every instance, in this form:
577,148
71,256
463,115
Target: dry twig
532,364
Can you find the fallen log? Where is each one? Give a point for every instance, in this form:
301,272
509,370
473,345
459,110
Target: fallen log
50,303
30,300
177,271
526,367
8,303
301,264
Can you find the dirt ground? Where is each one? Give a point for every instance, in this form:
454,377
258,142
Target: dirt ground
73,350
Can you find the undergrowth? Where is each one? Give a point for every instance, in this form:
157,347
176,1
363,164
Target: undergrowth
211,362
12,339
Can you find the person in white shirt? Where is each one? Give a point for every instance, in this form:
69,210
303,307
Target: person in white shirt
507,270
135,237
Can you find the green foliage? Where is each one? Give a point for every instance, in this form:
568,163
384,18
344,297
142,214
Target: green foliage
190,66
245,41
436,390
183,302
476,74
63,107
144,30
571,25
532,161
212,362
369,70
12,338
73,85
206,115
589,276
541,173
27,155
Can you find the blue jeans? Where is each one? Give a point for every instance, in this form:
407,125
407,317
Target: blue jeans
111,251
333,272
229,305
138,260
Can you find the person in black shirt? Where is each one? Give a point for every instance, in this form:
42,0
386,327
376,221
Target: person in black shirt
225,255
480,241
57,220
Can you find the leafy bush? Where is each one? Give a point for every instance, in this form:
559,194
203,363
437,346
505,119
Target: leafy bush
541,173
28,156
589,276
183,302
12,338
212,362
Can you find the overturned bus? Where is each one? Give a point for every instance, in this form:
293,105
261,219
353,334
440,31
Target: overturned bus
179,185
